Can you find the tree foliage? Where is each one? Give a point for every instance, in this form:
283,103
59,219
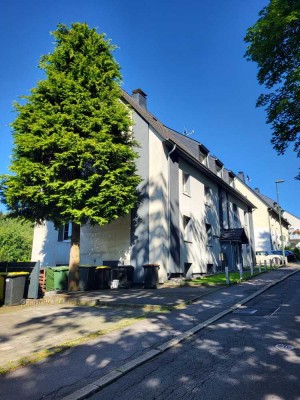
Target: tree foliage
15,239
274,44
73,157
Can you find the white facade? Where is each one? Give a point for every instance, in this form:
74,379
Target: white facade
184,210
266,222
294,229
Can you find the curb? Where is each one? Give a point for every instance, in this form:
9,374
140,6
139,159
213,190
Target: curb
111,377
86,301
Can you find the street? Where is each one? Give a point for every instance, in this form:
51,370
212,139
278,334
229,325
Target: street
235,358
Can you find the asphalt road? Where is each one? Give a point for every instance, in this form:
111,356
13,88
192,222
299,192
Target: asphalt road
236,358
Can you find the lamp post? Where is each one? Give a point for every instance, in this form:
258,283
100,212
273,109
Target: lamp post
279,212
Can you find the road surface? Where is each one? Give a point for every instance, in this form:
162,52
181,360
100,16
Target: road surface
245,355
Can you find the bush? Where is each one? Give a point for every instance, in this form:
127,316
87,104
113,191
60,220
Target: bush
15,239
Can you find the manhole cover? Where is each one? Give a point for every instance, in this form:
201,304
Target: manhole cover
282,346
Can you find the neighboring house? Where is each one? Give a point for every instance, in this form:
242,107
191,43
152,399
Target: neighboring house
190,220
294,229
265,218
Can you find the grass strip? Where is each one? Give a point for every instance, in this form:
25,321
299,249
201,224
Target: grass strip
220,279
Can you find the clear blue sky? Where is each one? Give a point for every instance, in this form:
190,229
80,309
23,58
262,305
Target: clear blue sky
186,55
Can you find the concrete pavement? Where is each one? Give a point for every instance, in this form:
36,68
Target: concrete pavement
69,319
106,357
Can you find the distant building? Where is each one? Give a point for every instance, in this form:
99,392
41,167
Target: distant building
294,229
265,218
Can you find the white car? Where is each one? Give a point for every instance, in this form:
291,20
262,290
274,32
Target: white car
262,256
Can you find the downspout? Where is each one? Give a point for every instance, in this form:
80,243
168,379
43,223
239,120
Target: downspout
169,207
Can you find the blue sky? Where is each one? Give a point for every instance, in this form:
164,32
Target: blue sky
186,55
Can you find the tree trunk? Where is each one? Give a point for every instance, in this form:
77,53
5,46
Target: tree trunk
74,259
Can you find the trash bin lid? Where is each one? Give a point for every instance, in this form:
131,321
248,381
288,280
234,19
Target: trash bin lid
103,267
63,268
12,274
151,265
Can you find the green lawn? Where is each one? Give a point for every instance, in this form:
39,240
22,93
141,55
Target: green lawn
220,279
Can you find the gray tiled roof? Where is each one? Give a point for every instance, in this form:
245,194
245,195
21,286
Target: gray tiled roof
271,203
188,147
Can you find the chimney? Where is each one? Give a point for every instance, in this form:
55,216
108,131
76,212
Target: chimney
241,175
140,97
257,190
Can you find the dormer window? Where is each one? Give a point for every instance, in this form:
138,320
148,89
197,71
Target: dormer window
231,179
203,152
219,167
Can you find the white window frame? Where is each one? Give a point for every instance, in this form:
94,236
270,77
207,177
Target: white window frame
187,229
186,183
208,196
246,218
209,236
235,213
65,232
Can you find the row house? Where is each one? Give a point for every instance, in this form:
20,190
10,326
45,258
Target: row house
191,219
294,229
266,220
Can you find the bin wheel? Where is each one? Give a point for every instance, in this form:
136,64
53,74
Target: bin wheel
23,301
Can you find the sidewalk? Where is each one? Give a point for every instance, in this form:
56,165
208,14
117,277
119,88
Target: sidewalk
63,318
25,330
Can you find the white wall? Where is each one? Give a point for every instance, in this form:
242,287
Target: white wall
46,248
196,250
107,243
158,204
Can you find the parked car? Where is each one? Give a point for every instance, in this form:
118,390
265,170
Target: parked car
262,256
288,254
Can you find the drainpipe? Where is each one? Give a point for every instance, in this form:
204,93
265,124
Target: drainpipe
169,206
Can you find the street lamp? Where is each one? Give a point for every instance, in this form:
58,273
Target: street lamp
279,212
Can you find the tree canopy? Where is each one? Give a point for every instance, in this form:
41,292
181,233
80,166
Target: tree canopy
274,44
73,157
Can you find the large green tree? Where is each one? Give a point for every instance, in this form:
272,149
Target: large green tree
73,157
15,239
274,44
